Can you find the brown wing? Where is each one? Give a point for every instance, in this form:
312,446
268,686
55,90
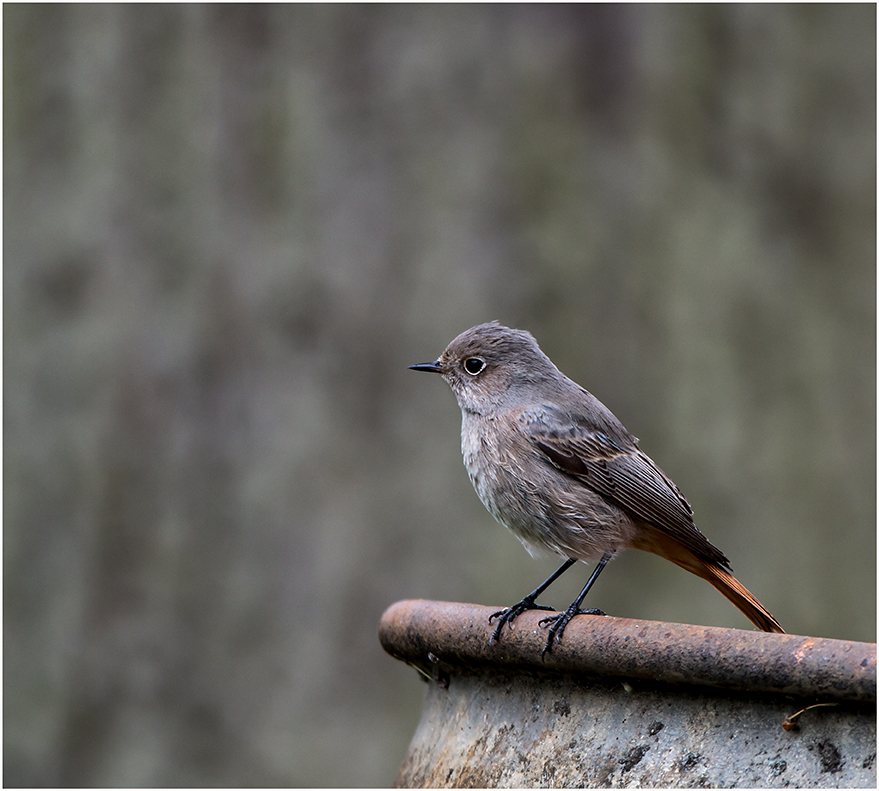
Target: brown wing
615,468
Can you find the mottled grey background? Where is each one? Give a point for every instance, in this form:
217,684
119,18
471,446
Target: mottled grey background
227,232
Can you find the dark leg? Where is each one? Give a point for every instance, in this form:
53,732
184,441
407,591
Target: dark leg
528,603
560,621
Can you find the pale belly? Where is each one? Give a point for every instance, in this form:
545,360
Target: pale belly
548,511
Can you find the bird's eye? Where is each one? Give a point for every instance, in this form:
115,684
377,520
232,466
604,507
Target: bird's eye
473,365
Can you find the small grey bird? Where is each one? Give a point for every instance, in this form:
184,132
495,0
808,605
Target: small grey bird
555,466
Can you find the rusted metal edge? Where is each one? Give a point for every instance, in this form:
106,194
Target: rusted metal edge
432,635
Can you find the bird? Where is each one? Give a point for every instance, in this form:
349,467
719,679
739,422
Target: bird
556,467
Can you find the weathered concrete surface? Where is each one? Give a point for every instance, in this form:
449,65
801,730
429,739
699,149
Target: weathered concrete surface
625,703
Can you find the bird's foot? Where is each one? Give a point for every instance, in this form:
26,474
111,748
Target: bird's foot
559,623
510,614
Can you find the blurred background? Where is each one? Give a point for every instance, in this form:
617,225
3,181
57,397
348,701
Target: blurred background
227,232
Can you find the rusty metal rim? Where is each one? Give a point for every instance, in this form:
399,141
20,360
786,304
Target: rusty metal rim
431,633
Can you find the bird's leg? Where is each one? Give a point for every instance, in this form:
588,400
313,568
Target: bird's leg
508,615
560,621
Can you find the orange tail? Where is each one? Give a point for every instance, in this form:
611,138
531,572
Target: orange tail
739,595
665,546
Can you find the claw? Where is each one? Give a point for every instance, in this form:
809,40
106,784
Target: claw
510,614
559,624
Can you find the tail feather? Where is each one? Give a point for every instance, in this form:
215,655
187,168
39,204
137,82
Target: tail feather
665,546
739,595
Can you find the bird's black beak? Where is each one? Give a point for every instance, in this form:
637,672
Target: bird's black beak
434,367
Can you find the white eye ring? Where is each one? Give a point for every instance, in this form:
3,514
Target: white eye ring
474,365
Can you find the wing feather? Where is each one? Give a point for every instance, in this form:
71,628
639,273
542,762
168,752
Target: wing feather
611,464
